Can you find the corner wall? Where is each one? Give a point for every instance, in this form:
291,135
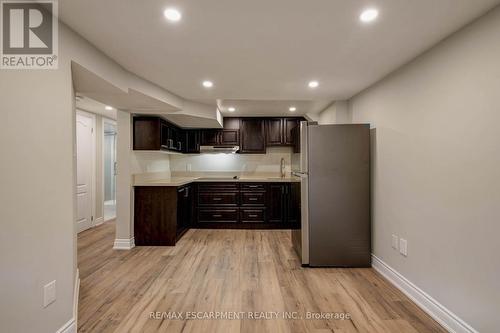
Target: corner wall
436,162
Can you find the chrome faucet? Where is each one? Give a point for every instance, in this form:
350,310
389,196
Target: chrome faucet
282,168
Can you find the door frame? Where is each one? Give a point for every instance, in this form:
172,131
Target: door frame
93,178
105,120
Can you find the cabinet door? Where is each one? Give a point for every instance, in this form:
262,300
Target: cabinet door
252,133
293,205
192,142
276,203
274,131
230,137
289,124
210,137
184,208
147,133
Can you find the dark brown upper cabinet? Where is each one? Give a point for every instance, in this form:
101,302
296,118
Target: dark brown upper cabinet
228,136
289,124
253,136
192,142
210,137
279,131
154,133
148,132
274,132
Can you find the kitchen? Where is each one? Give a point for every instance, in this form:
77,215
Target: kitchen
250,166
323,196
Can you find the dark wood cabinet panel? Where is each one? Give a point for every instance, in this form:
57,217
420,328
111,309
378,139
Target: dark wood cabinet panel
253,198
253,215
274,131
155,216
217,215
192,142
229,137
231,123
289,124
210,137
252,132
147,133
218,198
293,208
253,187
185,209
276,203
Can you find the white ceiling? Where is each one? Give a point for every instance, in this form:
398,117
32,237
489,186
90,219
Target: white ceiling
88,104
266,51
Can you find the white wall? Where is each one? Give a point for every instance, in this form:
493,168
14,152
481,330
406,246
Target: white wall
37,243
335,113
436,170
251,163
38,181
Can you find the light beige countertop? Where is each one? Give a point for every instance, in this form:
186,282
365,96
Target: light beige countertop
164,179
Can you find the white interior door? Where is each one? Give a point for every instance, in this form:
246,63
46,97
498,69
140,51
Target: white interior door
84,163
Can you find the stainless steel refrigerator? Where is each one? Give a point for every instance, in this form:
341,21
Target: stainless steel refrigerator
333,164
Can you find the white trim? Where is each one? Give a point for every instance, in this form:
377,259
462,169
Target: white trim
98,221
124,244
71,325
93,181
76,295
450,321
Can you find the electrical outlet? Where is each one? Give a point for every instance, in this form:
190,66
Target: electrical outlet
395,241
403,247
49,293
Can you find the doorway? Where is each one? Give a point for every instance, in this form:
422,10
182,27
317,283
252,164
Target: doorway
85,150
109,168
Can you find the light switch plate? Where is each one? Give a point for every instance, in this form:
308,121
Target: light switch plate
395,241
49,293
403,247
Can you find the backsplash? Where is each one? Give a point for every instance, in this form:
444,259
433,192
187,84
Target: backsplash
248,163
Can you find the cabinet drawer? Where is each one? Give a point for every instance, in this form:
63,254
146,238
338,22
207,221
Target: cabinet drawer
253,198
218,215
218,198
253,215
249,187
218,187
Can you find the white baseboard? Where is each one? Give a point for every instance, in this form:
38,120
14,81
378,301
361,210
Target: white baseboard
71,325
451,322
98,221
124,244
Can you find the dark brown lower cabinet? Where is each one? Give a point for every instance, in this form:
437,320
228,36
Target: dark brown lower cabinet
246,205
162,214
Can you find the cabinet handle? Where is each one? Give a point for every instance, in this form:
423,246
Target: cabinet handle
216,215
252,199
252,215
253,186
217,199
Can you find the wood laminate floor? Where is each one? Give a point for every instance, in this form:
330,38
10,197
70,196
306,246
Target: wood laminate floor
232,273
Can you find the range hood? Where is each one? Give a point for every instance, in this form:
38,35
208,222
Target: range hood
219,149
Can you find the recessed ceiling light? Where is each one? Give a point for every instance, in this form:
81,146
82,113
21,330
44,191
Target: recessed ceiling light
231,109
313,84
368,15
292,108
172,14
109,108
208,84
